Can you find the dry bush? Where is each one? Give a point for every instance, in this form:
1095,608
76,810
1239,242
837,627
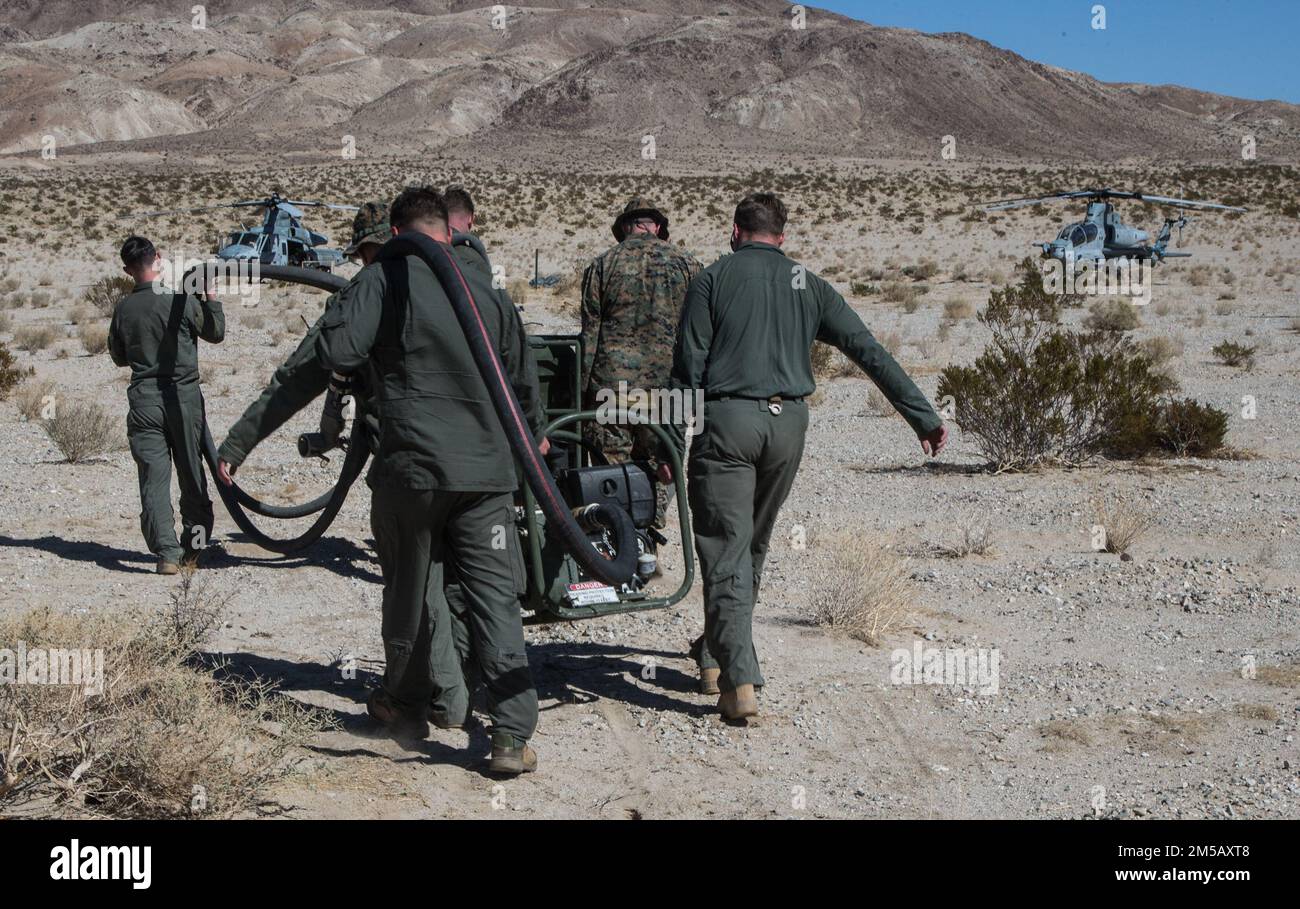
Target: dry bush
1121,519
892,341
162,739
829,363
976,539
954,310
1112,315
82,430
32,338
82,312
11,374
106,293
1161,349
878,404
31,396
6,322
518,291
867,590
94,337
899,292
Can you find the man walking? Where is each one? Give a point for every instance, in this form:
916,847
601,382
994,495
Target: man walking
443,477
632,296
155,331
745,338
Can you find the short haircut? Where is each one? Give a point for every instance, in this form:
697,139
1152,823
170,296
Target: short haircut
458,199
761,213
137,251
418,204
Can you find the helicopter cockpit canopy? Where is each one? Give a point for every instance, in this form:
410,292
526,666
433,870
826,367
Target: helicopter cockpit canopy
1078,234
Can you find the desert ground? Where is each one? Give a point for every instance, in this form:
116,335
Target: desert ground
1161,684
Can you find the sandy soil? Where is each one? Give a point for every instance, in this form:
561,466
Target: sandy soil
1121,689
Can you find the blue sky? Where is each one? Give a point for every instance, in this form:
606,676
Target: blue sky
1248,48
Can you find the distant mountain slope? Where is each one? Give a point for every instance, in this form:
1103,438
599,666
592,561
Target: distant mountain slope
416,73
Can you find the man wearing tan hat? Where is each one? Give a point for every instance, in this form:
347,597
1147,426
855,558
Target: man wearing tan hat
632,296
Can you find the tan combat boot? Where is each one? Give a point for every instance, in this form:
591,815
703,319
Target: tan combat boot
166,567
709,681
511,755
738,704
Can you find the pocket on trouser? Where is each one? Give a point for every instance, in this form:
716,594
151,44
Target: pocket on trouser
514,548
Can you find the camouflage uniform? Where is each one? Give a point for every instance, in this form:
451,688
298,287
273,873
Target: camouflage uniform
632,298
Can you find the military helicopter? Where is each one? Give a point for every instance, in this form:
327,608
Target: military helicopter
1102,235
280,240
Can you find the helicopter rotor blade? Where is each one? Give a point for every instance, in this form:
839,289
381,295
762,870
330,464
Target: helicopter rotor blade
333,205
1185,203
173,211
1005,204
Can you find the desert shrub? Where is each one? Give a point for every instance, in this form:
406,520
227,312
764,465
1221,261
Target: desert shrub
898,292
892,341
878,404
976,538
164,738
1189,428
1121,519
1112,315
82,312
11,374
106,293
94,337
866,591
6,322
1161,349
81,430
863,289
518,291
1041,393
31,395
922,271
32,338
1230,353
957,309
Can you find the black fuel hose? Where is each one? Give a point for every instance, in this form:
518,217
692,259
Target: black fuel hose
327,503
233,497
559,520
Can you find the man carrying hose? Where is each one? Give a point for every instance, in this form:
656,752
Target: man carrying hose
156,332
443,478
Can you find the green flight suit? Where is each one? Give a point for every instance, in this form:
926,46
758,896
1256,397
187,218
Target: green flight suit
746,333
443,478
155,331
298,382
